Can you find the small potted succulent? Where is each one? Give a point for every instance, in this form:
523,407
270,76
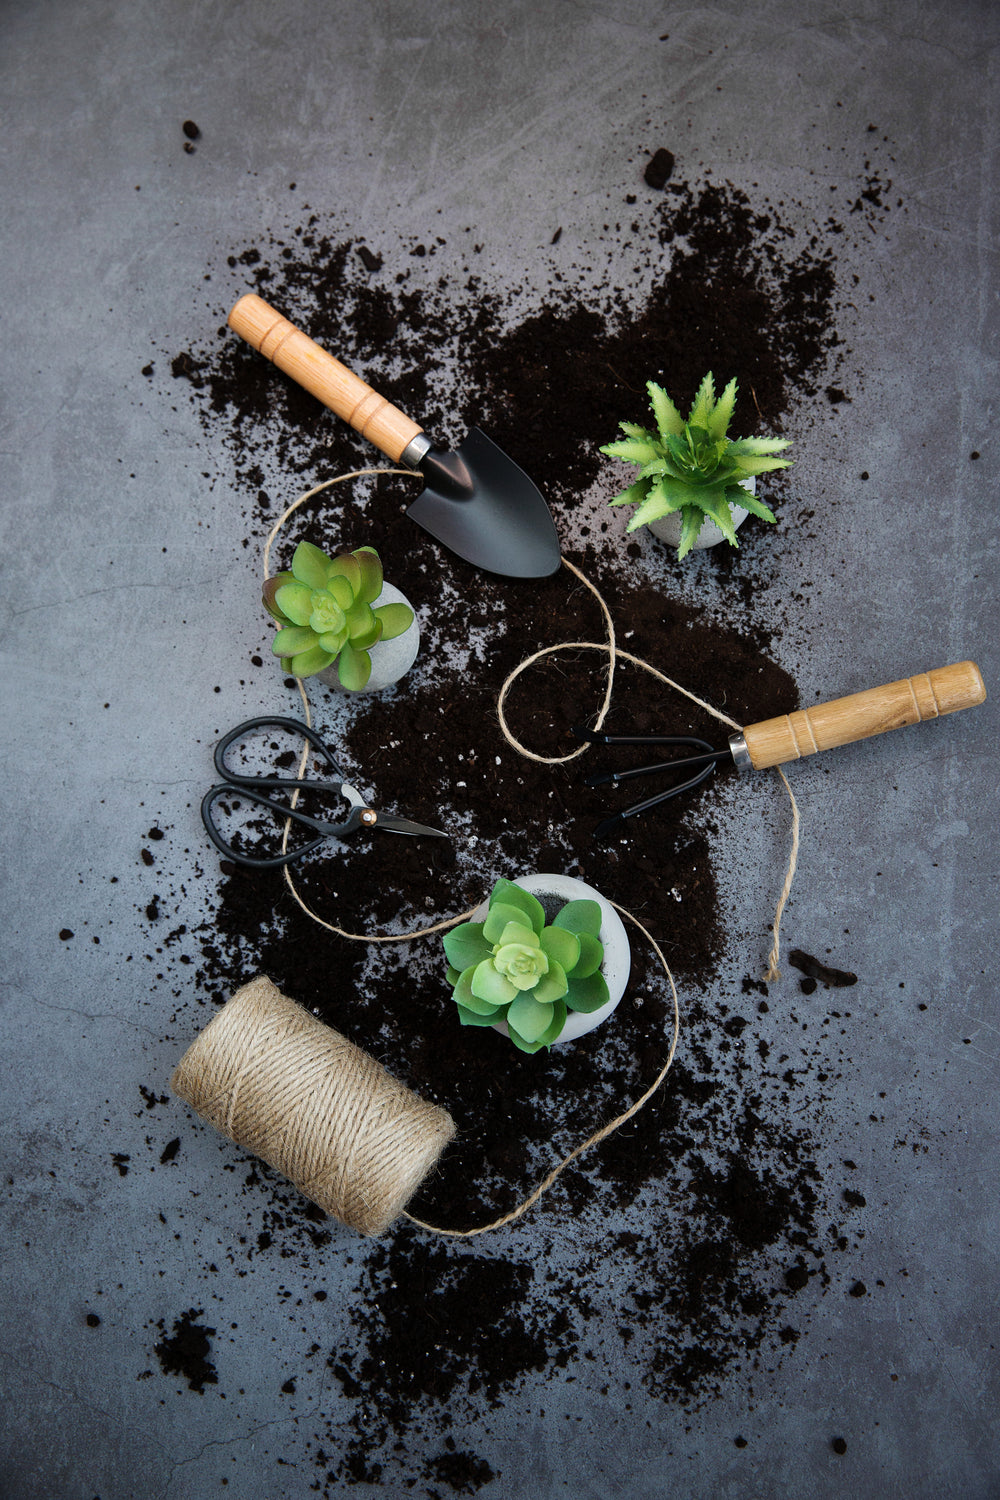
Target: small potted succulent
546,959
695,485
341,621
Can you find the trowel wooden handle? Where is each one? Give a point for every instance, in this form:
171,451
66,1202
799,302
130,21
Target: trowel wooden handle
323,376
862,715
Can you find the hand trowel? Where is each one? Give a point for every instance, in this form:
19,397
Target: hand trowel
476,501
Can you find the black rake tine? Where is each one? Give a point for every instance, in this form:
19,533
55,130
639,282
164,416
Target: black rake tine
598,737
710,758
608,826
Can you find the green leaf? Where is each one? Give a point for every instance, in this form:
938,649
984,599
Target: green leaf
752,504
634,495
673,494
553,985
700,414
589,994
465,995
305,663
633,450
333,640
486,984
755,445
295,602
310,566
553,1031
723,413
396,619
499,916
470,1018
370,585
362,627
716,506
346,566
748,467
691,523
523,1046
519,933
561,945
668,418
340,590
580,916
353,668
271,587
465,946
530,1019
653,508
591,957
292,639
511,894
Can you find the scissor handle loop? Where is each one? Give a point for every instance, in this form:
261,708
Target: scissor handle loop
277,721
272,862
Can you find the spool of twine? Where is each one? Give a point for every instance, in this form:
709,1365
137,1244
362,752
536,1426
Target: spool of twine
291,1090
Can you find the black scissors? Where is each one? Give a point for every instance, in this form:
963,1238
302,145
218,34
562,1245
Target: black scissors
255,788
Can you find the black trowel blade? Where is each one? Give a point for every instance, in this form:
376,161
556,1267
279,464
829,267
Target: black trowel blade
478,503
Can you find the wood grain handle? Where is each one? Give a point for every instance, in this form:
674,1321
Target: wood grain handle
862,715
323,376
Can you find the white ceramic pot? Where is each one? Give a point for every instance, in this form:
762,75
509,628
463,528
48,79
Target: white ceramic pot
617,953
391,660
668,528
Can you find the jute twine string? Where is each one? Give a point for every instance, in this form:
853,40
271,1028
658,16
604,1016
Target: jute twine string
614,654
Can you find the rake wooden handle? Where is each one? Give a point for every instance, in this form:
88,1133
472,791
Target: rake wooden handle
323,376
862,715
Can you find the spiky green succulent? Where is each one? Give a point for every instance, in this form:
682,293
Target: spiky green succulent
513,967
327,613
691,466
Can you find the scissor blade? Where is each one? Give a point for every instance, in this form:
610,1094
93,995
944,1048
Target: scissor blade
404,825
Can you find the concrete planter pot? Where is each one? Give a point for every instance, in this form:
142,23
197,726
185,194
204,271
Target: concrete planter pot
553,891
391,660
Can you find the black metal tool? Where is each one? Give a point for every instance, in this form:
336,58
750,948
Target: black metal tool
787,737
255,789
702,765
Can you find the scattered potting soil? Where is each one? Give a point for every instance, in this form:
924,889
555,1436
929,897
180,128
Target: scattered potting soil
185,1351
695,1227
659,168
814,969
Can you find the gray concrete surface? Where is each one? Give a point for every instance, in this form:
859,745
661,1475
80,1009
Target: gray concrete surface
118,516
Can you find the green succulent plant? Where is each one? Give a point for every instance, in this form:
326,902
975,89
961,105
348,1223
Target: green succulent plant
513,967
691,466
325,609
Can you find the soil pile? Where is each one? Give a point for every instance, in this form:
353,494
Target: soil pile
707,1215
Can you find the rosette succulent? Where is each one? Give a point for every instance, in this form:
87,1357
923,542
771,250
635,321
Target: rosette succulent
513,967
691,466
327,613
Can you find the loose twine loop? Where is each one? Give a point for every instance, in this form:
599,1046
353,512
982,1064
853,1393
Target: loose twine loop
346,1157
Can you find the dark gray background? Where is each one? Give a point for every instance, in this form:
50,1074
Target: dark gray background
125,587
